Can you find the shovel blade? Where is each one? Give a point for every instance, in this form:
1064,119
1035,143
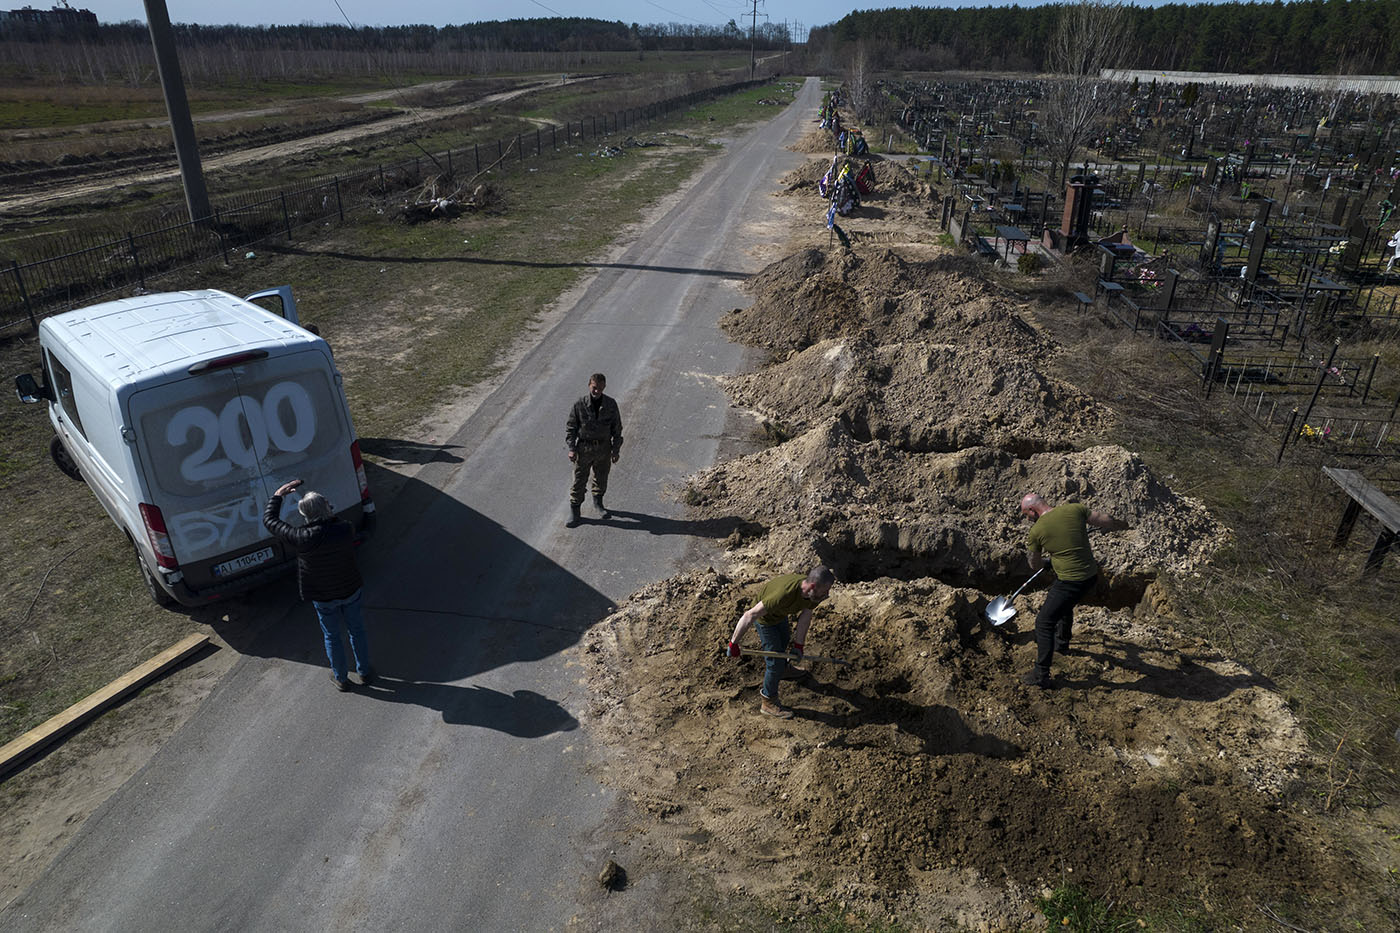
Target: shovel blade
1000,611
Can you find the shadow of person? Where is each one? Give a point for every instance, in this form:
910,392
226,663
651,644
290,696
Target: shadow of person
1190,679
721,527
397,450
524,714
939,729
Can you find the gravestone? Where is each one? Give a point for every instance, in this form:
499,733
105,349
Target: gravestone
1212,241
1258,239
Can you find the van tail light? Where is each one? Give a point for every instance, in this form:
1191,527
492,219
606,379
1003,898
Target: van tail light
355,458
159,537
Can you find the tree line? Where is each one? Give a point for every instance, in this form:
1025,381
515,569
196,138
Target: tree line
1303,37
121,52
546,34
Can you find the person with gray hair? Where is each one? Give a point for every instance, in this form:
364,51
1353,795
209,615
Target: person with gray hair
328,575
781,597
1060,533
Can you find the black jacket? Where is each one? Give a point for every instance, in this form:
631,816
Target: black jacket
326,567
593,426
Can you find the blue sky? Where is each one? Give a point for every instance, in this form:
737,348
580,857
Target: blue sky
803,13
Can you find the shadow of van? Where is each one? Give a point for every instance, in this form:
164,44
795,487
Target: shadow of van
449,595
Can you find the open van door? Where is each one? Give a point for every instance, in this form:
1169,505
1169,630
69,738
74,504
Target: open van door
278,300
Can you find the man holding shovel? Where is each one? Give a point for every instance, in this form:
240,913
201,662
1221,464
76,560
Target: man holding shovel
1062,533
780,598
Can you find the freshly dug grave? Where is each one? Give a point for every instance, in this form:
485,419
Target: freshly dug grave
924,780
920,396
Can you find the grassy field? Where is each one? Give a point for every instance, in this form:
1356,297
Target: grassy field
416,314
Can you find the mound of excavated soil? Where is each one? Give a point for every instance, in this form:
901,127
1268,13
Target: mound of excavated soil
815,295
921,396
815,140
890,178
924,777
868,509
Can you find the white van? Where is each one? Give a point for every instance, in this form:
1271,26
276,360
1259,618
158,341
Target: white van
183,412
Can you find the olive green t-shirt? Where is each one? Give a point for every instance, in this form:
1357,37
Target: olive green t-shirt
1062,534
782,597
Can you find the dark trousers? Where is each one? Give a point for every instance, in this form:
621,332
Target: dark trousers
1054,624
596,458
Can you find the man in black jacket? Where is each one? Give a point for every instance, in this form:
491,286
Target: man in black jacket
327,575
593,437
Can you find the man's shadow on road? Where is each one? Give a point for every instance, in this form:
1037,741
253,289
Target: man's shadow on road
397,450
721,527
521,713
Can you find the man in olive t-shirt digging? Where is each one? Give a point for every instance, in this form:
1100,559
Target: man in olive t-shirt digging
780,598
1061,532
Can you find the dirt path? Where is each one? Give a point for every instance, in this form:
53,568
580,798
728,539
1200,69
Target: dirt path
90,187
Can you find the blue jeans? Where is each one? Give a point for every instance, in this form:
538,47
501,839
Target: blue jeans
335,615
774,638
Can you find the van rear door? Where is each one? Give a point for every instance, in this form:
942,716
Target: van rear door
216,443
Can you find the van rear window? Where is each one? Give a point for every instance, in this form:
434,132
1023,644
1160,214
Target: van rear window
232,426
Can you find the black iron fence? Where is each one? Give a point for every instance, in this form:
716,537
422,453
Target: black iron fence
62,272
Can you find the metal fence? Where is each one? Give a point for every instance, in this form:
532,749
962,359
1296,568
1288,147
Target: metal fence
75,269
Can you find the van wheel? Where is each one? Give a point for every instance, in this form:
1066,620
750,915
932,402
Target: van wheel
61,457
156,591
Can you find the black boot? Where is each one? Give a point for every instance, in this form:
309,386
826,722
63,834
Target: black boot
574,516
602,510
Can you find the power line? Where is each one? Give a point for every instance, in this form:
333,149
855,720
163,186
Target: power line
674,13
543,7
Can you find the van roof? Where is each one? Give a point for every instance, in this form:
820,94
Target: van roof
150,335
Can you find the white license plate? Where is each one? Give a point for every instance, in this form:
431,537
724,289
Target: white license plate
243,563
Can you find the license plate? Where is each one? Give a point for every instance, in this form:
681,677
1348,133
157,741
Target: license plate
243,563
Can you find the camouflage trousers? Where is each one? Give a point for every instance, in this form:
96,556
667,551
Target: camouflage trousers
596,458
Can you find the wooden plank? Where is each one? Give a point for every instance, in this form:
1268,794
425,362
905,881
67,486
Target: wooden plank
35,739
1383,508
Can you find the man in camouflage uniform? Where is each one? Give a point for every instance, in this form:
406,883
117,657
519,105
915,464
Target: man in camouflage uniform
594,440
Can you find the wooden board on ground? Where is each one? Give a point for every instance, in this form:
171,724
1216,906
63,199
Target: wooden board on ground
40,736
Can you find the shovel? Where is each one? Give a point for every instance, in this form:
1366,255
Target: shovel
1000,610
758,653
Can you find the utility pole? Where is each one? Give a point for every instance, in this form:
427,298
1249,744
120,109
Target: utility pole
753,29
186,149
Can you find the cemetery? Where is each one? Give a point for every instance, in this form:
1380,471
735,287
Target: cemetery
1247,229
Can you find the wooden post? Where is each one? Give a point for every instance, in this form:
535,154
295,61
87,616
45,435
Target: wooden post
1366,393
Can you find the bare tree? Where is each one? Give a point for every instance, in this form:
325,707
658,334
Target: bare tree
1092,35
860,84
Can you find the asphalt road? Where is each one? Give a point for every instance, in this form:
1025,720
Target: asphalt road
455,793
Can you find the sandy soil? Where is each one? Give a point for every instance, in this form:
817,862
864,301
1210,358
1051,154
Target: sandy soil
908,410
